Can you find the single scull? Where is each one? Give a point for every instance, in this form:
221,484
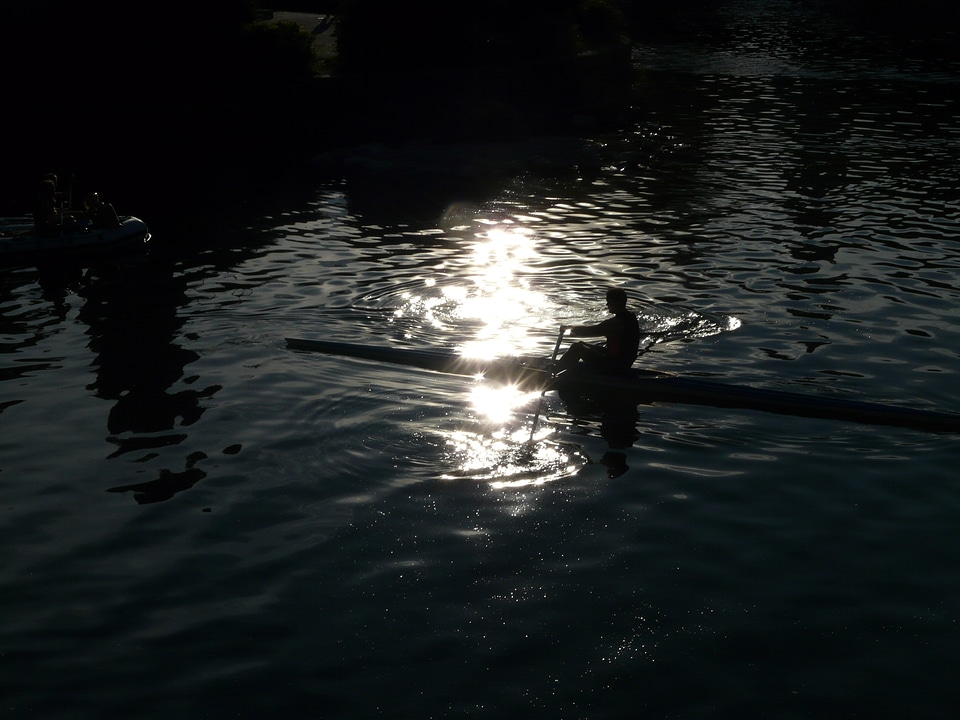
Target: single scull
644,386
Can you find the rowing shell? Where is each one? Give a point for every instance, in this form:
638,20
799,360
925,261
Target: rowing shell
644,386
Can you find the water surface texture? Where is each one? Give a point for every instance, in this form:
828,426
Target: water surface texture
201,523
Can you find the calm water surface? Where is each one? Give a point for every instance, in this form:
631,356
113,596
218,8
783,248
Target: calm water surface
202,523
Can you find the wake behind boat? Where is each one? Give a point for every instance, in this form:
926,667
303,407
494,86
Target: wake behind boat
24,247
643,386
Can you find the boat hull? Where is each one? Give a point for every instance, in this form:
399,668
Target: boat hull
640,386
27,248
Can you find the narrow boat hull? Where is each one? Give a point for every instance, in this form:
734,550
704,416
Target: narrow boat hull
530,373
25,248
645,386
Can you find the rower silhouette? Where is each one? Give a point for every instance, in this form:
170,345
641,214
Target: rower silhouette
622,339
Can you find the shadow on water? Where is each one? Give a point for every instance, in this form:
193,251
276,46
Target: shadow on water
617,418
391,183
132,324
130,311
167,485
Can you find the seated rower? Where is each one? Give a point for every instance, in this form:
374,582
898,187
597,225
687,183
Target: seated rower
47,218
101,214
52,216
622,333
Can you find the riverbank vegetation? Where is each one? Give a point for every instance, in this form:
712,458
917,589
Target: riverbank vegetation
423,35
175,93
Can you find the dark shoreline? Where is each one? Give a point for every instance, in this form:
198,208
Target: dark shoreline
130,136
184,148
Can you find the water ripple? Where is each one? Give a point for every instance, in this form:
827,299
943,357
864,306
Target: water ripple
202,516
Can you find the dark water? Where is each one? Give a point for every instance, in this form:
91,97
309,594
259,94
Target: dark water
202,523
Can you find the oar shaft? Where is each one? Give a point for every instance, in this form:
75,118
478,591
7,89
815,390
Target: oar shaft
556,349
552,366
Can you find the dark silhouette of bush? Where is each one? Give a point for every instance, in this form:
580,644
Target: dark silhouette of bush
108,81
275,55
385,36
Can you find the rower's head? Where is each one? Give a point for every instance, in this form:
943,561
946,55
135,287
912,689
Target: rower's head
616,299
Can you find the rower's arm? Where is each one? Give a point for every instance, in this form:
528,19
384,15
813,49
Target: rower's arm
586,330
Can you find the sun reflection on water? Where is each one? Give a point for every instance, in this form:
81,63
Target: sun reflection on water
509,448
510,459
492,295
498,404
487,302
486,298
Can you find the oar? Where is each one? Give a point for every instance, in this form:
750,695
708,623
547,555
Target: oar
552,366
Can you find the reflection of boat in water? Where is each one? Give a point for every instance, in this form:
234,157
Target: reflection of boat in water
27,248
645,386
